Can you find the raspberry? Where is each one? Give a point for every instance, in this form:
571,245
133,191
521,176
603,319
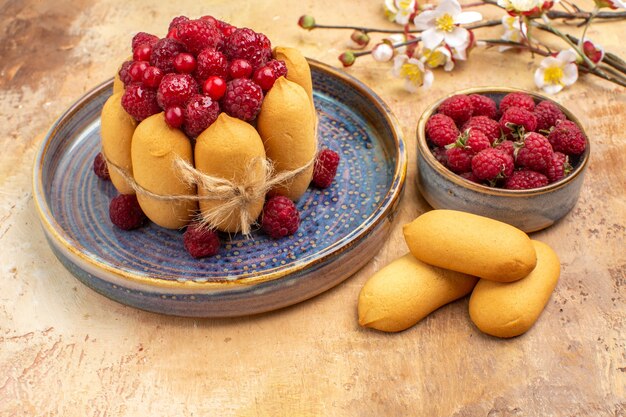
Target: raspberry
176,90
125,213
521,100
200,241
472,140
558,167
460,153
242,99
226,28
143,38
483,106
280,217
492,164
325,168
247,44
210,19
525,179
506,146
140,102
211,62
516,121
197,35
567,138
441,129
440,155
459,159
535,152
200,113
470,177
177,21
475,140
279,67
124,72
458,107
100,167
489,127
164,52
547,114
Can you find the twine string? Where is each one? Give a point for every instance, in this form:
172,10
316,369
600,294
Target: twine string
234,195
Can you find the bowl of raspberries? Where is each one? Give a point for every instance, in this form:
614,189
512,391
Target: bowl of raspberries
512,155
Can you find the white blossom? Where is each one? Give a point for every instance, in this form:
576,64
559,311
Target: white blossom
555,73
441,25
413,72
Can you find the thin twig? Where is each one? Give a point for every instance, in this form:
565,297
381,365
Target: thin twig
487,23
558,14
609,58
613,72
363,29
606,76
516,45
555,31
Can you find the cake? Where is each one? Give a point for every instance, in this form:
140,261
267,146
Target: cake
206,123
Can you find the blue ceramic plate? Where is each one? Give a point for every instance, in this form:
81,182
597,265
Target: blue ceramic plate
342,226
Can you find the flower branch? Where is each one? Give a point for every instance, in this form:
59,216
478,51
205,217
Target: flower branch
442,36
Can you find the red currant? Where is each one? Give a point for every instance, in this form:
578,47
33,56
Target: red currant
152,77
185,63
136,70
214,87
240,68
174,116
142,53
265,78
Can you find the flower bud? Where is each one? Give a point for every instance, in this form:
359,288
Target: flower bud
306,22
360,39
347,58
382,52
594,52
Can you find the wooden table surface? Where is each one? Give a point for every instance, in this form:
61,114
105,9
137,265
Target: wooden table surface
67,351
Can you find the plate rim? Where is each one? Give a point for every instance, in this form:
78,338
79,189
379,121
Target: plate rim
390,202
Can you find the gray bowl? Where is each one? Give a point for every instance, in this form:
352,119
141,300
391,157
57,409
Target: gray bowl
528,210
